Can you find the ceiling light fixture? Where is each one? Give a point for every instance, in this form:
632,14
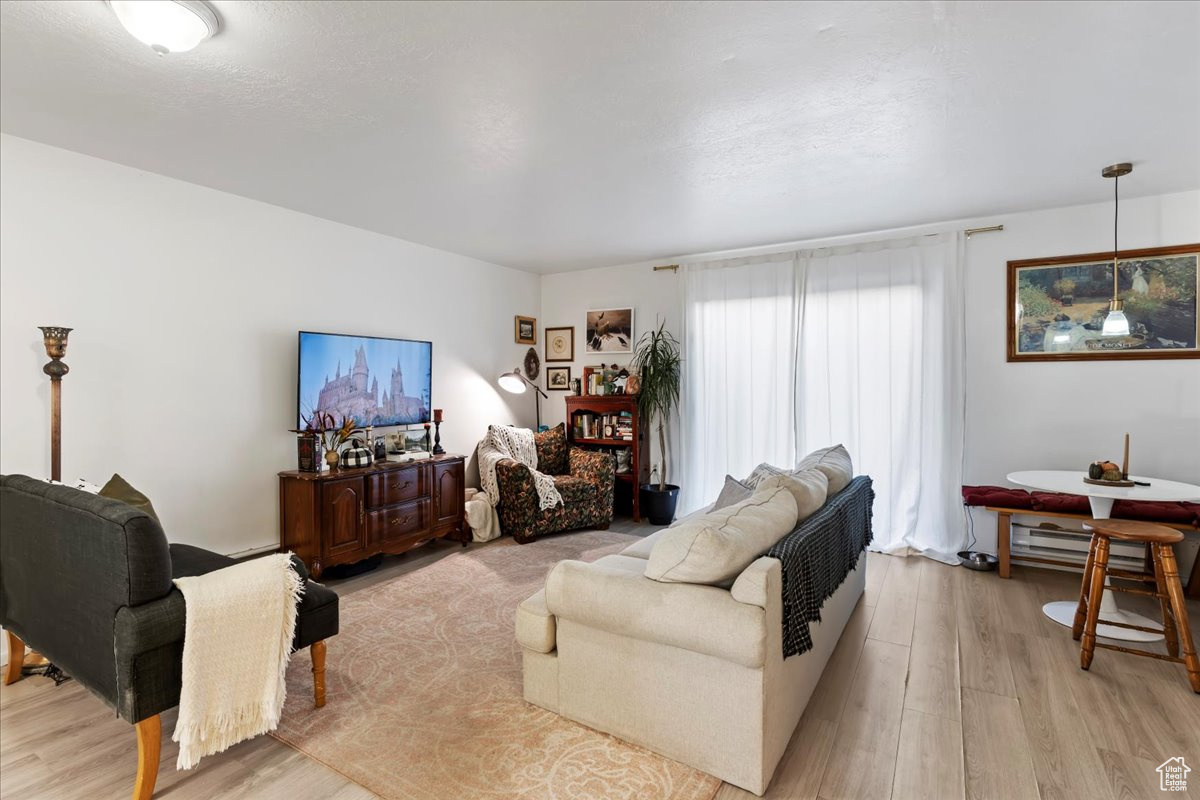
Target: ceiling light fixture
1115,324
167,26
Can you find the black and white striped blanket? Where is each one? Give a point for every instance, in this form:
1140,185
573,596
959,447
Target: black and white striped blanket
818,556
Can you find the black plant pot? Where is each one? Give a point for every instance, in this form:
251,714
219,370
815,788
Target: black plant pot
659,506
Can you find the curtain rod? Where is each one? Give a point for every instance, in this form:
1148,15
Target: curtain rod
968,232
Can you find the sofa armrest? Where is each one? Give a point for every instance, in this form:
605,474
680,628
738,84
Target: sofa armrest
759,583
592,465
703,619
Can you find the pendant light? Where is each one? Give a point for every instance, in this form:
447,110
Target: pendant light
1115,324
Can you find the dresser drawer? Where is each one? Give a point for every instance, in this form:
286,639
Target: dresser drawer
397,486
398,522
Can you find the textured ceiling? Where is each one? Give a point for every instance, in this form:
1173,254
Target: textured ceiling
555,136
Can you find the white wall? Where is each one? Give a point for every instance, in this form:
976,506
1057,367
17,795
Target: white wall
186,302
566,298
1019,416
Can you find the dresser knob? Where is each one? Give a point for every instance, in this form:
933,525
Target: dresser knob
404,485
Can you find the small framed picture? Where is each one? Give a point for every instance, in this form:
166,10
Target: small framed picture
560,344
609,330
558,379
525,330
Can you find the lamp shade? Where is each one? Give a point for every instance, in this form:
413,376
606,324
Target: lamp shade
167,26
1115,324
512,382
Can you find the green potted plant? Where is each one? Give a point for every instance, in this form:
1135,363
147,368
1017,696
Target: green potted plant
1066,290
656,362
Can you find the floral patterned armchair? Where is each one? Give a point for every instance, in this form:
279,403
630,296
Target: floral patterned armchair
584,478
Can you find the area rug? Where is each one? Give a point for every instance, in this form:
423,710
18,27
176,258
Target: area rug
425,697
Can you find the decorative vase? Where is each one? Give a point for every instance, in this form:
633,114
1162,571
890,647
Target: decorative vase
331,458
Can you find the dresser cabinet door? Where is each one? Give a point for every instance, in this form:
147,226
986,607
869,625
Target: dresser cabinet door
448,486
343,512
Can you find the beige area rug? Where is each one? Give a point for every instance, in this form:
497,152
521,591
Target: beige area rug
425,697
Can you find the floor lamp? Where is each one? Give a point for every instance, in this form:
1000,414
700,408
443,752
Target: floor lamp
516,382
54,337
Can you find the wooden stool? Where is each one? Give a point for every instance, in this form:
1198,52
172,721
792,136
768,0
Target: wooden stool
1169,591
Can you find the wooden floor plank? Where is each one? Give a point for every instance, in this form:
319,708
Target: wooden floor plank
929,762
933,686
897,607
996,753
983,664
863,758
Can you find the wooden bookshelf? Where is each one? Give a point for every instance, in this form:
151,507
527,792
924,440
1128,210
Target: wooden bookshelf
628,483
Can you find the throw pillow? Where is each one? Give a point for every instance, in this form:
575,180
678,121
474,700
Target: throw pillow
119,489
809,487
715,548
761,473
734,491
834,462
552,450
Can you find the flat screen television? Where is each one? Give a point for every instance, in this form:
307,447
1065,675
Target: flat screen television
376,381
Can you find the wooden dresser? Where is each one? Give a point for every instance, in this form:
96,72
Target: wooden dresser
346,515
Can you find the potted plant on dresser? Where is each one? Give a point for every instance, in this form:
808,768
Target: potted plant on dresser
656,362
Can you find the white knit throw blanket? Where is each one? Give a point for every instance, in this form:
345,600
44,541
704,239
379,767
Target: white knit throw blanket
505,441
237,643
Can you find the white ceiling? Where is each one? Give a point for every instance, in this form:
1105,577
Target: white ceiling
556,136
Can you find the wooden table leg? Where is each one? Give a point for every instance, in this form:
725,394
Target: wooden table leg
317,650
1004,543
16,658
149,738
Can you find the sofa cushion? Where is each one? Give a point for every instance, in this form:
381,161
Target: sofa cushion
714,548
1061,503
552,450
760,474
316,616
642,547
575,490
1155,511
609,595
834,462
535,624
734,491
118,488
996,496
809,487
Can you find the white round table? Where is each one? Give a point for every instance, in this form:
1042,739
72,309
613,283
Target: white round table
1101,499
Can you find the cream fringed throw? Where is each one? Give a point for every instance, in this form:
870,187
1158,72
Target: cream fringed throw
505,441
237,642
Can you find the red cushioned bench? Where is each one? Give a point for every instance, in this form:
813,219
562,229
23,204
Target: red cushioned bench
1006,502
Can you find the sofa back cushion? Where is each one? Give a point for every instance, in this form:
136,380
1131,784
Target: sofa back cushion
714,548
69,561
834,462
552,450
809,487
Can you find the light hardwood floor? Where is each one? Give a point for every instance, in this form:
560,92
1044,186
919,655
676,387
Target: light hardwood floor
946,684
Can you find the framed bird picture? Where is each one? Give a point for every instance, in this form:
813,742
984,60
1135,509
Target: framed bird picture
609,330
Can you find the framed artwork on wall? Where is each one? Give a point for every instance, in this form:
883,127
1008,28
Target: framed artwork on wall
609,330
525,330
1057,306
558,379
560,344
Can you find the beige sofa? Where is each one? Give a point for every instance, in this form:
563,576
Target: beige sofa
693,672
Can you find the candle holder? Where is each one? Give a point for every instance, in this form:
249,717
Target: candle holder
437,432
54,337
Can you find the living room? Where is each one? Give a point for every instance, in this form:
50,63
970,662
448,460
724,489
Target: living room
826,282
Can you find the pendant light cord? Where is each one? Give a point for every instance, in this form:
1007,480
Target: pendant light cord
1116,212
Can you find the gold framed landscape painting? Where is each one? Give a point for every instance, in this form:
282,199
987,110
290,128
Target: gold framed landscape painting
1057,306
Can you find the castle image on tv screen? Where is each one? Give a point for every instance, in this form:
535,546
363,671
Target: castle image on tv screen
375,381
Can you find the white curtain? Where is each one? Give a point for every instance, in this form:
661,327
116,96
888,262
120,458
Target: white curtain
860,345
739,371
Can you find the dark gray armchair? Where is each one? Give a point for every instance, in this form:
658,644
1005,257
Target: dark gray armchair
86,582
